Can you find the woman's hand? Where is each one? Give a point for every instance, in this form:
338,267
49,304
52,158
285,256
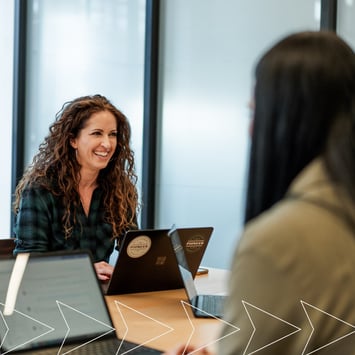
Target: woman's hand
103,270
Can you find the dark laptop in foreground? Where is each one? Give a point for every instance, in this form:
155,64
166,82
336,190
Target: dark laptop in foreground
146,260
206,306
59,309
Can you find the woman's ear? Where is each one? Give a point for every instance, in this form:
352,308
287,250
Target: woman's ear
73,143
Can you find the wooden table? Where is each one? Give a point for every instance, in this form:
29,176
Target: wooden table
164,319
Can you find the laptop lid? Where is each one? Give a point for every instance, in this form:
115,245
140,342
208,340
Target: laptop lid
184,269
205,305
146,260
59,302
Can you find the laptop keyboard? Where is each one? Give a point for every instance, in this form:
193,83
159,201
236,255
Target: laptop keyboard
105,347
212,304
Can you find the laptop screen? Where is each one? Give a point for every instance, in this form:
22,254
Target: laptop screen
59,301
146,261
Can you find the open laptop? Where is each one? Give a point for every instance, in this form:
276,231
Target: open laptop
59,309
146,260
206,306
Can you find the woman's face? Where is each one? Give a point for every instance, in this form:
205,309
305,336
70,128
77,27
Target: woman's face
96,143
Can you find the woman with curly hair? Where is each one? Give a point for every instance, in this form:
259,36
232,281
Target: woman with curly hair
80,190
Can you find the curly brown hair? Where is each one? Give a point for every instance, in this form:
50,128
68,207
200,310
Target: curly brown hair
56,168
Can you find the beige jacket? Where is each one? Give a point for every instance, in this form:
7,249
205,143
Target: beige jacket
292,286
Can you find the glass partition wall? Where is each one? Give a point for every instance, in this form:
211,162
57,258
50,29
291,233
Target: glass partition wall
346,20
7,8
208,52
77,48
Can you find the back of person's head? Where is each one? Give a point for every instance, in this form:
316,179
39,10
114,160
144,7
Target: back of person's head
304,84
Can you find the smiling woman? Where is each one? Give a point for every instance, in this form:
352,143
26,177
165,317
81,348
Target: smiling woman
80,190
94,146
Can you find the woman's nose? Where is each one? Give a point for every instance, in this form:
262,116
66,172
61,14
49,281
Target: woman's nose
106,142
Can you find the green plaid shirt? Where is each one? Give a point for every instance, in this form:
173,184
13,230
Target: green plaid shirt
39,226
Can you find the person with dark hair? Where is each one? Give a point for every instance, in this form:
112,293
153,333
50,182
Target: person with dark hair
292,281
80,190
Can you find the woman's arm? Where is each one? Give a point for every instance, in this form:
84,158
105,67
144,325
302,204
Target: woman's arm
32,227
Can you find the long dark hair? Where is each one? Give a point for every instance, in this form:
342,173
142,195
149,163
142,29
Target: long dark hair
304,107
55,166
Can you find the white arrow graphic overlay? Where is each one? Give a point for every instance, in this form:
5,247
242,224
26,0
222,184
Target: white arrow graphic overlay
63,308
250,308
19,340
4,329
349,326
165,326
234,328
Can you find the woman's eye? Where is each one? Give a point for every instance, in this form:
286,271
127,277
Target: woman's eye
113,134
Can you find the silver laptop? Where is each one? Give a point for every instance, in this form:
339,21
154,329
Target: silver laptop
146,260
59,309
207,306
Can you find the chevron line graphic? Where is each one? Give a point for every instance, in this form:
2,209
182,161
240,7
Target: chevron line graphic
303,303
245,304
7,329
184,304
50,329
60,305
169,329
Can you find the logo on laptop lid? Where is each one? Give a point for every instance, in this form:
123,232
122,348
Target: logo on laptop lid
195,243
139,246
